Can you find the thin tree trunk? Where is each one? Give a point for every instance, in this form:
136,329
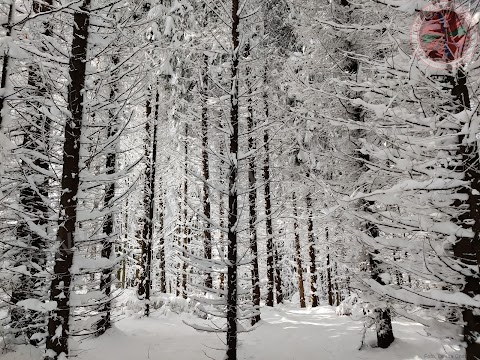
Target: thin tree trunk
329,277
207,233
233,191
278,275
179,241
252,195
185,216
161,234
337,292
122,273
106,252
311,251
59,321
141,270
298,253
221,214
268,203
144,285
6,63
151,207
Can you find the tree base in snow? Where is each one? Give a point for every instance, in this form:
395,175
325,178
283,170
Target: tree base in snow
384,328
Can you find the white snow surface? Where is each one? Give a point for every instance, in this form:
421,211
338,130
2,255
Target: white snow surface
285,333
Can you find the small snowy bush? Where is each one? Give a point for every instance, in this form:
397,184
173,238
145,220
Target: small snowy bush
352,306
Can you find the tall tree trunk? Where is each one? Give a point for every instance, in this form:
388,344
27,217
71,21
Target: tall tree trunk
221,214
252,195
268,201
311,251
32,198
141,269
59,321
466,249
351,65
233,217
384,318
337,291
207,233
221,211
278,275
144,285
298,253
6,63
179,241
161,234
121,274
151,206
106,252
329,277
185,217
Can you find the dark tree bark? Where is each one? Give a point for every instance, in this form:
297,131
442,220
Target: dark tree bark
59,321
221,210
298,253
337,292
107,244
221,214
329,277
141,269
161,234
207,232
32,198
179,241
6,61
467,250
384,319
185,216
233,217
311,251
121,273
145,282
278,275
268,202
384,325
252,194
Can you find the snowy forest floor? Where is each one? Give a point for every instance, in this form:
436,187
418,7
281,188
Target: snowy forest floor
285,333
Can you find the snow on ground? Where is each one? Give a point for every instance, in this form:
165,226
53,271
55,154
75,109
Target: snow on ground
286,333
